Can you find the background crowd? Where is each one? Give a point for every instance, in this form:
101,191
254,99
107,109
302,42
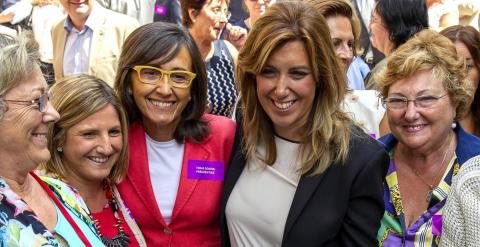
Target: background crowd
239,123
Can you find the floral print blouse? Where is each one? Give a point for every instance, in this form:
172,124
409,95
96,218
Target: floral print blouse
19,226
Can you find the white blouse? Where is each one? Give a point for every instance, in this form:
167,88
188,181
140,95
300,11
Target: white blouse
258,206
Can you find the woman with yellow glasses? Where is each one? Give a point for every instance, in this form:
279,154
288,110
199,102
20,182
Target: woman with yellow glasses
178,154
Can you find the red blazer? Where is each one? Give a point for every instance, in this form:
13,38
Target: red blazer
195,216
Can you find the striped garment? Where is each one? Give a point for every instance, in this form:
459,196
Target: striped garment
222,91
427,229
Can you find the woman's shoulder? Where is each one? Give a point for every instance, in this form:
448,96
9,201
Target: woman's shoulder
362,142
468,178
67,195
215,122
221,128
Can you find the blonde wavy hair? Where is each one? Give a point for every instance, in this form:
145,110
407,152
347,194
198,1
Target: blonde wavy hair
327,127
429,50
76,98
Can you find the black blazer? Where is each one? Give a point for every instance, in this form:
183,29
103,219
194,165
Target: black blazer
341,207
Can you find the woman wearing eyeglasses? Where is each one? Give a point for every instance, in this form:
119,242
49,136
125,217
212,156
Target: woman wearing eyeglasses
423,89
34,211
178,154
205,20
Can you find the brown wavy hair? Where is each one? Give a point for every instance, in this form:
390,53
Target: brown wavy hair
470,37
327,127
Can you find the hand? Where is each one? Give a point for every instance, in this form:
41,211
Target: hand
236,35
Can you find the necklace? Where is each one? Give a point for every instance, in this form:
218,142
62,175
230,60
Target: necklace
121,239
430,186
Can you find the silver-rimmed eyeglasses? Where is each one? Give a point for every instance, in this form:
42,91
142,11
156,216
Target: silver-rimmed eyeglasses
400,103
40,103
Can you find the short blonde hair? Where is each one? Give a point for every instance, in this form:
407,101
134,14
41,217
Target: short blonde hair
428,50
76,98
327,127
19,58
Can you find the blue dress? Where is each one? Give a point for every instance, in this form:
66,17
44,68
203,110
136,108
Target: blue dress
222,91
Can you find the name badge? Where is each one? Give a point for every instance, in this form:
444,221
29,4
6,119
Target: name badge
160,10
205,170
437,225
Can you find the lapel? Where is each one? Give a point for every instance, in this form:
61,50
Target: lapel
138,171
97,42
306,187
236,164
60,50
186,186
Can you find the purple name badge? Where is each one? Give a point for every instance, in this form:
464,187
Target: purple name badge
205,170
373,135
437,225
160,10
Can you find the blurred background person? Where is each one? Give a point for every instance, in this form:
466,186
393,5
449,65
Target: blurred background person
301,174
460,222
178,154
34,211
15,14
45,14
168,11
89,40
469,11
467,43
423,89
363,105
205,20
89,152
255,9
442,14
393,22
141,10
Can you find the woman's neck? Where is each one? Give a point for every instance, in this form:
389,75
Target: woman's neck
425,159
204,46
21,185
92,193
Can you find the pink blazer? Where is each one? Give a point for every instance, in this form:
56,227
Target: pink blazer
195,216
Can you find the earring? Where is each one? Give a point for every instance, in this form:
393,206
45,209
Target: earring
129,91
454,125
59,149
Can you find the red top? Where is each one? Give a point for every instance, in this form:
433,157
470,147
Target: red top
196,214
106,221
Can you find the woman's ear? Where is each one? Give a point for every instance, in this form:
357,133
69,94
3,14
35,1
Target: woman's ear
193,13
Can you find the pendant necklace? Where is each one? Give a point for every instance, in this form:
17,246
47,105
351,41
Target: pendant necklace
121,239
430,186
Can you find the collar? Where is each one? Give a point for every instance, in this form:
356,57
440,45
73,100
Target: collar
94,20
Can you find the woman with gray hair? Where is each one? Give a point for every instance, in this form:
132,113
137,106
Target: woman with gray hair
34,210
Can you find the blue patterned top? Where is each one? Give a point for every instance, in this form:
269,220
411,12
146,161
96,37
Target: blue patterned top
222,91
19,226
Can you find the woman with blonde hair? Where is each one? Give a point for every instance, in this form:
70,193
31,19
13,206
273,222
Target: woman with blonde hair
34,210
301,173
423,89
89,152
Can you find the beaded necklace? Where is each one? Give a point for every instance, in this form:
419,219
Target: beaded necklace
121,239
